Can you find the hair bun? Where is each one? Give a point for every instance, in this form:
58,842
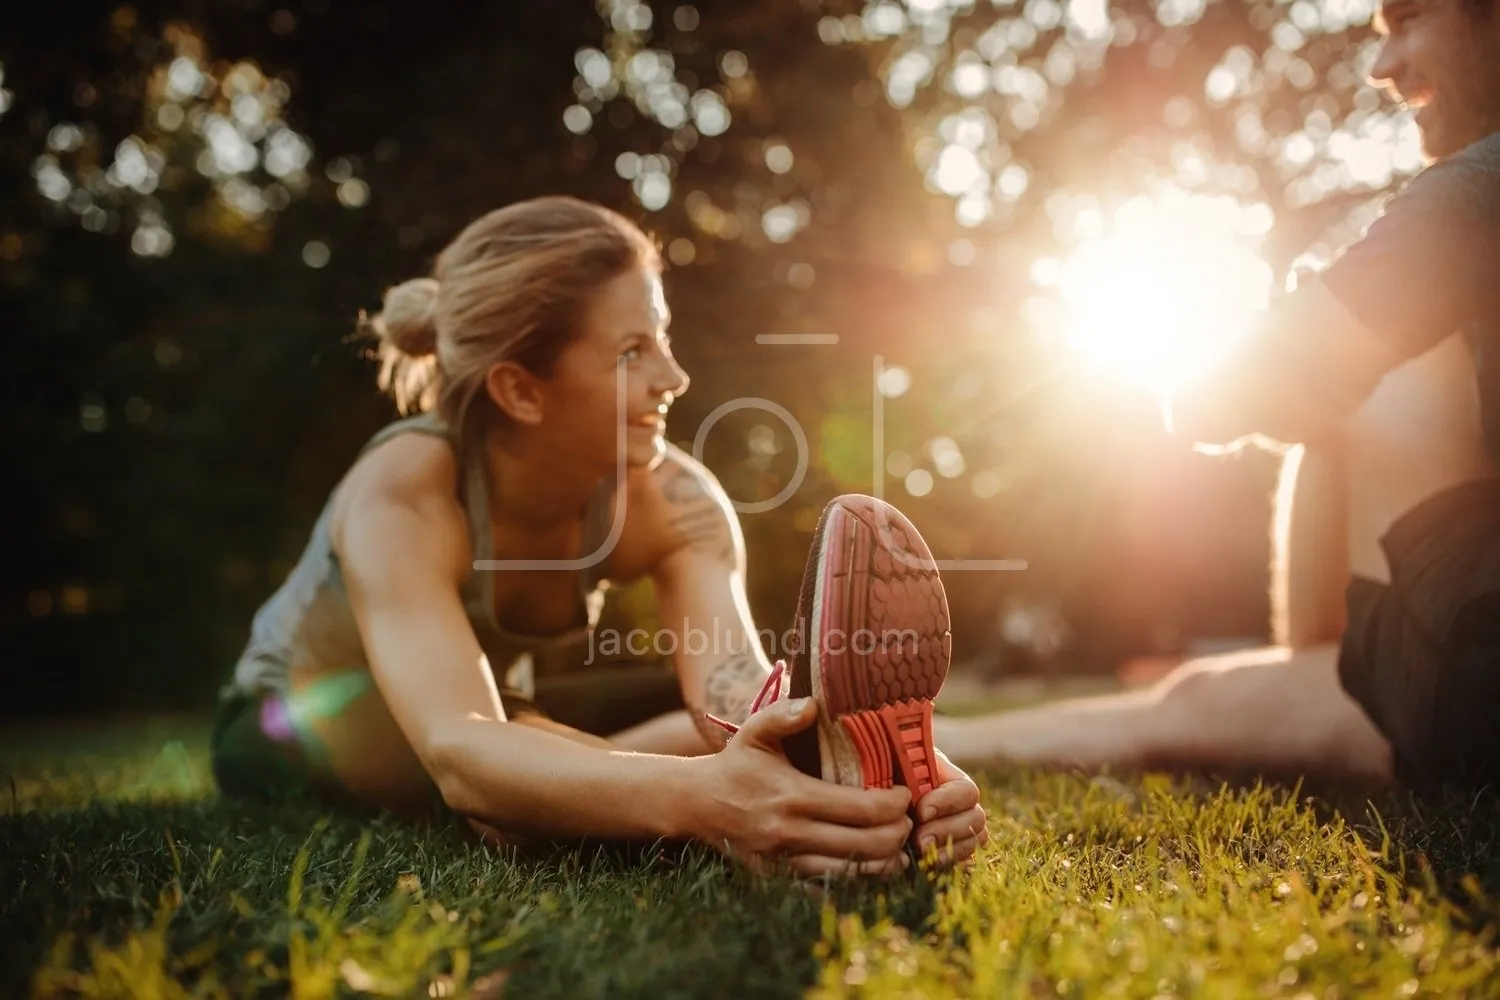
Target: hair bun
408,317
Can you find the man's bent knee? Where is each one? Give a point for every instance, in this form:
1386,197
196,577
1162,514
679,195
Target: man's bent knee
1271,708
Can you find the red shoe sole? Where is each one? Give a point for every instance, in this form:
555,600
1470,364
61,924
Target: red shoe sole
875,611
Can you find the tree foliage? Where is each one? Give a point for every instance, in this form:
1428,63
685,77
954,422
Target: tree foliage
202,196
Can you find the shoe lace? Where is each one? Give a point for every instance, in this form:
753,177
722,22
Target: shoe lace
771,691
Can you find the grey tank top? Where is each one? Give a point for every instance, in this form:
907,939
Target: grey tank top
307,624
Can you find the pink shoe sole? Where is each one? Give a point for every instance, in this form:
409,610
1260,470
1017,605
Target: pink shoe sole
874,608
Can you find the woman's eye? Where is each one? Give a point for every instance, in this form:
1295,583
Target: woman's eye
631,353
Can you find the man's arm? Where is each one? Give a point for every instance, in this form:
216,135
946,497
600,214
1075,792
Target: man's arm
1423,271
700,583
1307,369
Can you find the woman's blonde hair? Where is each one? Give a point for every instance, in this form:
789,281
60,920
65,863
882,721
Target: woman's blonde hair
513,286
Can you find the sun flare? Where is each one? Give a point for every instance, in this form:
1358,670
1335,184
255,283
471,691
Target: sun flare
1168,289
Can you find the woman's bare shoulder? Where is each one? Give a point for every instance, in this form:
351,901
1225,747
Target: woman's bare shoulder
670,504
677,481
407,466
408,474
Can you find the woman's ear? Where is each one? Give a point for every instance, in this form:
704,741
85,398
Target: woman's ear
516,391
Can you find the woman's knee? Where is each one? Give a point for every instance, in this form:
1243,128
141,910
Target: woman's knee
255,751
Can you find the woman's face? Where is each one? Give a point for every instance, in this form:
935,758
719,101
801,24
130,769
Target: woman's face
616,381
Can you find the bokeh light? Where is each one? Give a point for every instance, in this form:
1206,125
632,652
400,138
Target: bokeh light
315,254
1053,181
893,381
229,129
1167,289
649,79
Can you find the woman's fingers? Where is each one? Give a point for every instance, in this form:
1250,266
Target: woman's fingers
954,838
946,769
860,843
819,866
948,799
862,807
950,849
969,823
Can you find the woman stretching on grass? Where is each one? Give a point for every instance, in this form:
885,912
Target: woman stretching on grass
538,358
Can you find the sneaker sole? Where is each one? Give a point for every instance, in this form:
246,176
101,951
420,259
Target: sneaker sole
875,608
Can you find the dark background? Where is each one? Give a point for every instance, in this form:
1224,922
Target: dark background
173,422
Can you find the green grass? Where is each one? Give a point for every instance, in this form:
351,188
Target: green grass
123,874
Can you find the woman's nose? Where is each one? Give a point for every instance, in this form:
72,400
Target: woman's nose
671,378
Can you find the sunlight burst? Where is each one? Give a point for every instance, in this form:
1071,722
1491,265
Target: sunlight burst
1168,290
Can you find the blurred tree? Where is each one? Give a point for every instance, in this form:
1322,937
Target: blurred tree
204,194
912,177
185,268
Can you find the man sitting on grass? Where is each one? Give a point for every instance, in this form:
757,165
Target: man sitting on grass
1385,370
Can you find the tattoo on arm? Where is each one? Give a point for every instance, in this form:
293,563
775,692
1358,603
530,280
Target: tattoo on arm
697,517
730,687
704,531
682,487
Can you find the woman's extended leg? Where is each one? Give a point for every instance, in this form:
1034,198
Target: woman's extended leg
334,733
639,706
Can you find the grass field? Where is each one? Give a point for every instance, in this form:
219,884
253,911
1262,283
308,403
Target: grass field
124,874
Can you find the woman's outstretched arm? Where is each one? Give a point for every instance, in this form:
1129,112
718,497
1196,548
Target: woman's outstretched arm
403,542
698,567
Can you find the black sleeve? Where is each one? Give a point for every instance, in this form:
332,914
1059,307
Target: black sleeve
1429,265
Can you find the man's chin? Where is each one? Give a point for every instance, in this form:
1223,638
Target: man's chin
1430,129
1440,137
1434,148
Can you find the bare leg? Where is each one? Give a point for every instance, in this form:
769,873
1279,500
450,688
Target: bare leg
352,742
1309,547
1280,708
1273,709
1276,708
